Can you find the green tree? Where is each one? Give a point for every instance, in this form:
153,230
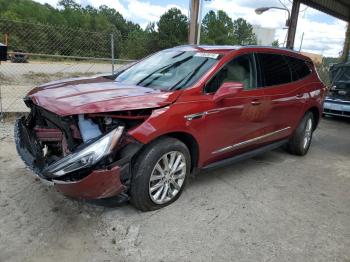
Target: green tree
172,28
85,31
71,26
243,32
152,38
135,46
71,4
217,28
275,43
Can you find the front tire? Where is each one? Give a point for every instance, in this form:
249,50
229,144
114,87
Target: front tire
160,174
300,141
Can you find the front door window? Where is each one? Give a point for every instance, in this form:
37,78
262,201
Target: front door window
240,69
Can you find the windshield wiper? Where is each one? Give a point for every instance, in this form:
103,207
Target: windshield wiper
162,69
188,76
179,54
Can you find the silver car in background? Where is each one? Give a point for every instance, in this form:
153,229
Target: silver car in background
337,102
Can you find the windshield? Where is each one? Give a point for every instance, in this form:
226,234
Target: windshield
169,70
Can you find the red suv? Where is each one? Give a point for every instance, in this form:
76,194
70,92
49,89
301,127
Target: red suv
140,133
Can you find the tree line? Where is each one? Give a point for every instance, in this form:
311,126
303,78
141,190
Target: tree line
76,28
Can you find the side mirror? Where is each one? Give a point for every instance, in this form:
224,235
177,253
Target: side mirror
227,90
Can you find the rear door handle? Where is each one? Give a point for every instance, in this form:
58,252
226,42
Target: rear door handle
300,95
255,102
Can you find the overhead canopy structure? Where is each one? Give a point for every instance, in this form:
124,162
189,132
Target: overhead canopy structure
337,8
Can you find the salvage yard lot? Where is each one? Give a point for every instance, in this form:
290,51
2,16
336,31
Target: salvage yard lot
275,207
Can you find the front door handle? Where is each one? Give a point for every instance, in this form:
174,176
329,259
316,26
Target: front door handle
300,95
255,102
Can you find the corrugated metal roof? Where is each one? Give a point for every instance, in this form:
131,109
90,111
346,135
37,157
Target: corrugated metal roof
337,8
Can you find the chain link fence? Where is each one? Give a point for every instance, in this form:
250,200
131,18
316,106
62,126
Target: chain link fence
39,53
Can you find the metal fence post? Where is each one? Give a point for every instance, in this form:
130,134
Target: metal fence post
1,114
0,101
112,52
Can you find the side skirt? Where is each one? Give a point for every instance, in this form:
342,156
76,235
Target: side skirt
243,156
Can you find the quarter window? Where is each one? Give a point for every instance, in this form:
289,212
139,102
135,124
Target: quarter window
274,69
300,68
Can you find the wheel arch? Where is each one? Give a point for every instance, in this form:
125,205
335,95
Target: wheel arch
186,138
191,144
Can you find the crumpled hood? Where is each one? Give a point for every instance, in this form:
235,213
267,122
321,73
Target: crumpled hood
97,94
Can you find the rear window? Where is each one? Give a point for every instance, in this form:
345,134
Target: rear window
274,69
299,67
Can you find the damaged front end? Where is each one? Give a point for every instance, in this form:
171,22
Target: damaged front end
84,156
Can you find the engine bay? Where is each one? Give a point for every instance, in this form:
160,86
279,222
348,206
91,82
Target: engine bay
50,138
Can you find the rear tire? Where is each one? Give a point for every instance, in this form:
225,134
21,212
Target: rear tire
160,173
300,141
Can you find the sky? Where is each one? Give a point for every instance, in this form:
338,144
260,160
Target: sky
323,34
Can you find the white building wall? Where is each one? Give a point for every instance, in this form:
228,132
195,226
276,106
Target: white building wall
265,36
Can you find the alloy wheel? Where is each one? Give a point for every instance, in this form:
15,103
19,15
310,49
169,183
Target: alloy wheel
167,177
308,133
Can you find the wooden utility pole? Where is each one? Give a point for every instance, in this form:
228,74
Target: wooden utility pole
292,24
345,55
194,16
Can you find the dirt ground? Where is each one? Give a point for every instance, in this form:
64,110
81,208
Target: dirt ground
17,79
275,207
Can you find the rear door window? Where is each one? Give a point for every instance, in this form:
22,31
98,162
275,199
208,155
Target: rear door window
299,68
274,70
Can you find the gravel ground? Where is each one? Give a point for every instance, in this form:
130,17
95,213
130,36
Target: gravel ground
17,79
275,207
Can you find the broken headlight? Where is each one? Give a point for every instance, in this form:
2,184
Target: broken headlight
86,157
